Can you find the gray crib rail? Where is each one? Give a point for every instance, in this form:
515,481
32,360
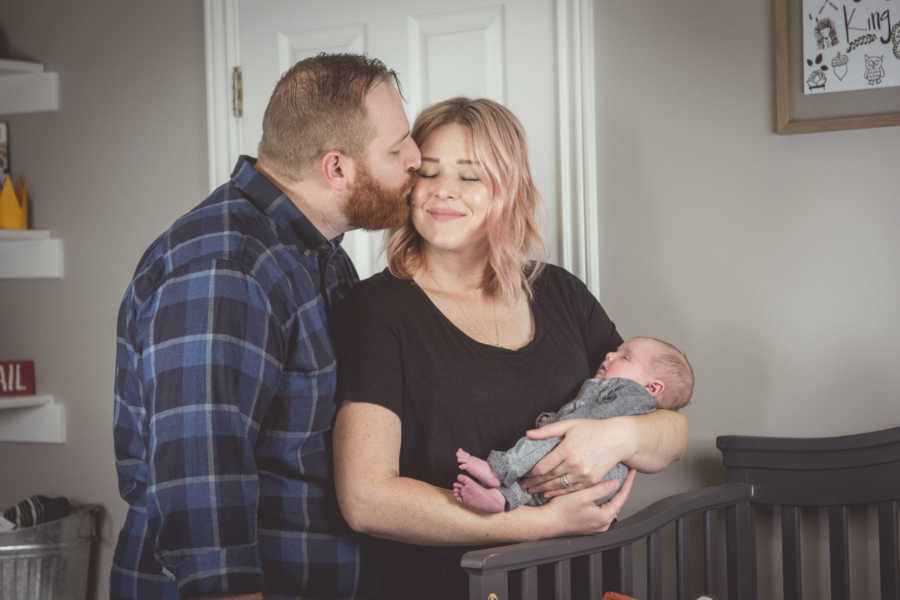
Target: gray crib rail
789,473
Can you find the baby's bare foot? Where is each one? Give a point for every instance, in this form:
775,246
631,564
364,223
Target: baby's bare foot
477,468
457,492
470,493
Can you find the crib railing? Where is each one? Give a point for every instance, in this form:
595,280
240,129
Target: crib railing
789,474
833,474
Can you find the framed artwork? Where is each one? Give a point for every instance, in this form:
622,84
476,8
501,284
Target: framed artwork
837,65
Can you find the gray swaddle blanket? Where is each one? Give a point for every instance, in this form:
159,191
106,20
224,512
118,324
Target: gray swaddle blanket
597,399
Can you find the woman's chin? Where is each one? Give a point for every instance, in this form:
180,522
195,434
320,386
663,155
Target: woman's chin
443,244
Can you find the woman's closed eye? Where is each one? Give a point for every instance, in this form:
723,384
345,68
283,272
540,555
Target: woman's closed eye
433,174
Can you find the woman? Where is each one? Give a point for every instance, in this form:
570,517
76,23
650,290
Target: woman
462,343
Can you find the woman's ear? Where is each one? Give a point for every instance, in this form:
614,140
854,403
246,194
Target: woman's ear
655,388
337,170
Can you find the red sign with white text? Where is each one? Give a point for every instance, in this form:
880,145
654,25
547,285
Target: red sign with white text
17,378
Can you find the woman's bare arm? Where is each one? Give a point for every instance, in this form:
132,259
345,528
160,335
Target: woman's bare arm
375,500
591,447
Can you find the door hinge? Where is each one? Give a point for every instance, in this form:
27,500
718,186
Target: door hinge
237,93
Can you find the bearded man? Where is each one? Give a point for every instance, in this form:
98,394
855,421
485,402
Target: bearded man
225,371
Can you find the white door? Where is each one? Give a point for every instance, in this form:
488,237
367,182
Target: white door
504,50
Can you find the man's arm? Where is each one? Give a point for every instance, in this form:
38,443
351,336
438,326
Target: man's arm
210,365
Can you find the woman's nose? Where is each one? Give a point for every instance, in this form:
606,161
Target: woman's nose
441,188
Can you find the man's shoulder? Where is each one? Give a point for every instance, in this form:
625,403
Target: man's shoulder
226,229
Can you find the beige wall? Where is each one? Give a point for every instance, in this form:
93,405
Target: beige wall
770,259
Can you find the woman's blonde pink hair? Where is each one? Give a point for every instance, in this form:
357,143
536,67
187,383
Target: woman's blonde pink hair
499,146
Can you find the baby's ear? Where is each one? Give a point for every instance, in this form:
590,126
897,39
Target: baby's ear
655,388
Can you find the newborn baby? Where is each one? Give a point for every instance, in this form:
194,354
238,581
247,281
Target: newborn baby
643,374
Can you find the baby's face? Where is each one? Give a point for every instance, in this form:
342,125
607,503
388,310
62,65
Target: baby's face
631,360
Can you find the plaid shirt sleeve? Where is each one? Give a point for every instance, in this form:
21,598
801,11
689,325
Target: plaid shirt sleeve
208,356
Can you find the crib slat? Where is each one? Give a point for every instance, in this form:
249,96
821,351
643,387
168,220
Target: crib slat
529,581
710,565
741,552
562,575
839,550
617,570
626,572
654,567
791,556
682,545
482,585
888,549
595,576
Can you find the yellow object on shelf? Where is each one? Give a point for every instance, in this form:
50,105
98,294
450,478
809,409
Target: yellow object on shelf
13,205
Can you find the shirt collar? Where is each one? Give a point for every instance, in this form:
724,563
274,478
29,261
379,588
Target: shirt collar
268,198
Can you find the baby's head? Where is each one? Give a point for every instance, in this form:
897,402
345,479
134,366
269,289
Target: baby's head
657,365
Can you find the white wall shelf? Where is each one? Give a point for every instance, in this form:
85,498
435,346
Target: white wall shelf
30,254
25,87
32,419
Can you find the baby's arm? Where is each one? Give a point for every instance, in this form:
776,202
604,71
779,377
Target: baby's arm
588,393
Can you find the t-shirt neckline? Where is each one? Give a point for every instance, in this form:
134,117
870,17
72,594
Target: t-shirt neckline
532,343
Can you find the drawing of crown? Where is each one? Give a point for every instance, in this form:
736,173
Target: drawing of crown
13,205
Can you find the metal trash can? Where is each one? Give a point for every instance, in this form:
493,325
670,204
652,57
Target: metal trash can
49,561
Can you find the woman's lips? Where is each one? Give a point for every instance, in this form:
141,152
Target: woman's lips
444,214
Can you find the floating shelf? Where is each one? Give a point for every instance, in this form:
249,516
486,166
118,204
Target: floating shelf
25,87
32,419
30,254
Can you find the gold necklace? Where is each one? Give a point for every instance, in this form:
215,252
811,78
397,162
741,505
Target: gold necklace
466,314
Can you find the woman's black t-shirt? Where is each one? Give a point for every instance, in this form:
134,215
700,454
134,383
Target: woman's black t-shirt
397,350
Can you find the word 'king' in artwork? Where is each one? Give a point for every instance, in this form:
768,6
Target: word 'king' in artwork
850,45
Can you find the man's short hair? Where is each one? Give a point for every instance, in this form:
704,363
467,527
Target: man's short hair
319,106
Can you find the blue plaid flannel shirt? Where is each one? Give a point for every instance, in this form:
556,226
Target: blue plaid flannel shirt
224,402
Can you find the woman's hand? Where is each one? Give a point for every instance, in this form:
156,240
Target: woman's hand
577,514
590,448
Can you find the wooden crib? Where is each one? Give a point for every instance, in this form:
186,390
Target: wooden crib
718,540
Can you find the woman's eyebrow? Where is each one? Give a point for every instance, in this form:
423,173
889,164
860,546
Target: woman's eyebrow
430,159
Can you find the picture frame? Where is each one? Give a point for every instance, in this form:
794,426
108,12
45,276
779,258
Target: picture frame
848,110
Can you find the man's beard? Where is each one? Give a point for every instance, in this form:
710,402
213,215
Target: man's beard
372,206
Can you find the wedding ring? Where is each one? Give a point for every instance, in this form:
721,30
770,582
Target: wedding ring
564,480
